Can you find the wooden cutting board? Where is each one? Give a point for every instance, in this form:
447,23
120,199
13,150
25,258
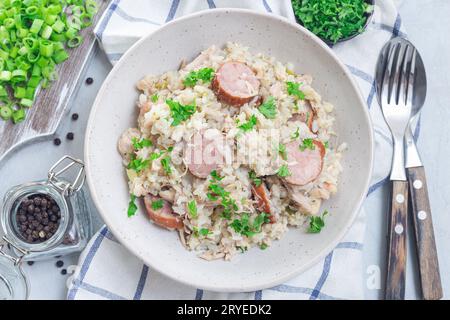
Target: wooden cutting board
52,103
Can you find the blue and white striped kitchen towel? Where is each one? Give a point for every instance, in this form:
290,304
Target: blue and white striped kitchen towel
107,270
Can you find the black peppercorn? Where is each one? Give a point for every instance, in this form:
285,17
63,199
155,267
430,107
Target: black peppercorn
75,116
57,141
89,80
59,263
70,136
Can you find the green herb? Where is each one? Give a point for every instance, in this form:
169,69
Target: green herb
180,112
204,232
255,180
217,191
326,145
263,246
317,223
192,209
132,207
165,162
332,19
139,144
283,171
268,108
282,151
154,97
293,90
215,175
156,155
205,74
249,125
307,143
296,134
246,228
35,36
138,164
157,204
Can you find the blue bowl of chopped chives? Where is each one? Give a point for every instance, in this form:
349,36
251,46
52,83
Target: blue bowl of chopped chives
334,21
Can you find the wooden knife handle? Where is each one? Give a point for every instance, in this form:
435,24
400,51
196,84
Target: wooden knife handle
423,227
395,281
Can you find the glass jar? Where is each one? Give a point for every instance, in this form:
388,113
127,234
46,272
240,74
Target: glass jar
71,234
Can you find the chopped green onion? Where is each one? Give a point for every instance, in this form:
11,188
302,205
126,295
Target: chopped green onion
6,112
18,116
46,48
18,76
27,103
58,26
36,26
46,32
60,56
74,42
20,92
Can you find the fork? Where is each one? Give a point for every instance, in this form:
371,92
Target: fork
397,64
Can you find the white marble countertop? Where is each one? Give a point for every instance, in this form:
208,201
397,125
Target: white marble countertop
427,24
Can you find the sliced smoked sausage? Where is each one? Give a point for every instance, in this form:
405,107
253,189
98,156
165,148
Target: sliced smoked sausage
235,83
305,166
261,195
164,217
202,153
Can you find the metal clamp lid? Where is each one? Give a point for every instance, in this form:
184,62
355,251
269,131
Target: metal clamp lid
67,188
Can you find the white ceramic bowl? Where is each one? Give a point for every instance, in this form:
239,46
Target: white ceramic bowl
115,110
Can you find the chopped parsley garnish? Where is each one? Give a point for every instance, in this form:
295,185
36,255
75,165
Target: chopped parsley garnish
139,144
326,144
307,143
217,191
180,112
332,19
296,134
165,162
317,223
192,209
283,171
244,227
293,90
269,108
154,98
255,180
157,204
138,164
132,207
215,175
249,125
263,246
205,74
203,232
282,151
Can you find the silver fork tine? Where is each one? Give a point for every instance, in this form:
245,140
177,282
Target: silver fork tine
411,78
396,75
402,87
385,92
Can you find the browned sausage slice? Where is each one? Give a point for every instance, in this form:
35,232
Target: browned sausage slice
235,83
163,217
201,154
306,117
305,166
261,195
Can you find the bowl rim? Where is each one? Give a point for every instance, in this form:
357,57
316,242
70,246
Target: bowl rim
254,285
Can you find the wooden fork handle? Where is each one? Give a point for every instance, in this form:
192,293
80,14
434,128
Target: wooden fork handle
423,228
395,281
